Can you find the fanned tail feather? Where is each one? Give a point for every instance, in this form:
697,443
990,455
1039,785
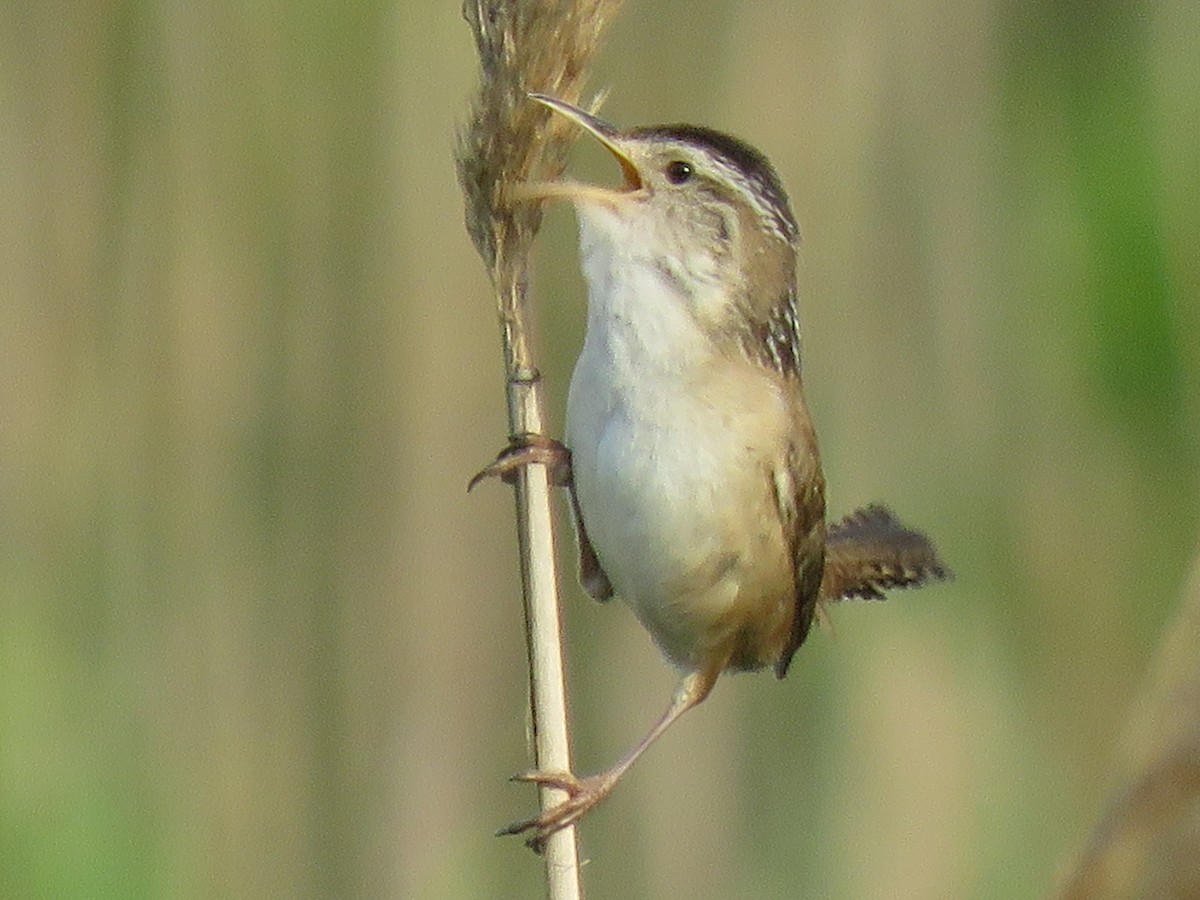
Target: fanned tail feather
870,551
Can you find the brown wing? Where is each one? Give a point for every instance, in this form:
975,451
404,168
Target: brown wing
772,337
870,551
800,493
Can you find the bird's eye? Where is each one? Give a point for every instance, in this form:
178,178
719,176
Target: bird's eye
678,172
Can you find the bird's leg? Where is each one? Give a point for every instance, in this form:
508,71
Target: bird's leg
584,793
591,575
524,449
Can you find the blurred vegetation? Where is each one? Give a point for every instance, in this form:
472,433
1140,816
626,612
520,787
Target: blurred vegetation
256,641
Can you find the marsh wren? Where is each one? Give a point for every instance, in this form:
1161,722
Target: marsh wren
691,458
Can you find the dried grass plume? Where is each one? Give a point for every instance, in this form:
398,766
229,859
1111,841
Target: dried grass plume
524,45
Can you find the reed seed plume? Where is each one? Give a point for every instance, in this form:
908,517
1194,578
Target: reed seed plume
524,45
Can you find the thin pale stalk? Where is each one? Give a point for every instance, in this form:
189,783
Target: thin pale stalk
543,627
545,46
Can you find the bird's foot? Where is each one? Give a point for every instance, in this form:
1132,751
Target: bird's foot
524,449
582,795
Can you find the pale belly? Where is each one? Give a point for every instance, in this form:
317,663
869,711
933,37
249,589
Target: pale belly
679,506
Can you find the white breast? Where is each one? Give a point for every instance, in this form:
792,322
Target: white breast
672,448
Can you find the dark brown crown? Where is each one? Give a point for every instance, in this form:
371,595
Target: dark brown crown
738,156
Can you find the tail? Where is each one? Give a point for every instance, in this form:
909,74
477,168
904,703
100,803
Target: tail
870,551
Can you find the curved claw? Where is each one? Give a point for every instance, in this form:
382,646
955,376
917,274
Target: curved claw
564,781
522,450
582,795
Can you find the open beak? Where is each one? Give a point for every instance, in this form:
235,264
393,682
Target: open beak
572,190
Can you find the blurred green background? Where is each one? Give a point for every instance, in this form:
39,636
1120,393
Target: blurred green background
256,640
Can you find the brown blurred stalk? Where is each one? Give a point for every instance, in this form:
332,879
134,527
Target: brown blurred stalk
524,46
1147,841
